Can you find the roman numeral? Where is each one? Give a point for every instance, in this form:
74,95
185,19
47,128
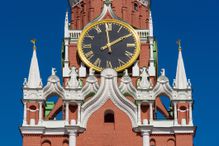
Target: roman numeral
109,64
119,29
89,36
128,54
121,63
97,62
87,46
97,28
109,26
131,45
89,54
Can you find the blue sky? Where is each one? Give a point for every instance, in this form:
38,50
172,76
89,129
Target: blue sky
195,22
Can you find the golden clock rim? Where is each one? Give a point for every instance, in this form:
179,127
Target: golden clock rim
99,69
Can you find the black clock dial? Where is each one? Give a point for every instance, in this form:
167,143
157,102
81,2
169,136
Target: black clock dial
109,45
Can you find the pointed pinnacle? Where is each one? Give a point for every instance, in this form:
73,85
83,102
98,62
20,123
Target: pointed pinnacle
33,41
179,45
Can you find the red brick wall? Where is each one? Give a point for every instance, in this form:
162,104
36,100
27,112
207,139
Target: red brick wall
38,140
184,139
90,9
99,133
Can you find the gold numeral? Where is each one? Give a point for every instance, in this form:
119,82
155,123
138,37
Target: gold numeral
109,64
130,45
89,54
109,27
97,62
89,36
87,46
128,54
97,28
119,29
121,63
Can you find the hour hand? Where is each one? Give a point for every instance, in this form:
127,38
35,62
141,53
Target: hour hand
115,41
104,47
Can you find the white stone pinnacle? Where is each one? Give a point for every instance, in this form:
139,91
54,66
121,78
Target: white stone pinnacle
181,79
34,79
66,29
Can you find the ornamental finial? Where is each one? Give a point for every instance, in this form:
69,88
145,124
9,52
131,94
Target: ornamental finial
107,2
33,41
179,45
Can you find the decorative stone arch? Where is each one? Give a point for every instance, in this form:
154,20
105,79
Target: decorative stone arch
162,88
126,87
107,9
53,87
109,91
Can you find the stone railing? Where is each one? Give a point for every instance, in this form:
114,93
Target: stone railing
75,34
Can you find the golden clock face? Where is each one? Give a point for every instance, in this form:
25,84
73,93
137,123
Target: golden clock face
109,44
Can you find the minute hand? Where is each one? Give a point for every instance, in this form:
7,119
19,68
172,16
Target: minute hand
115,41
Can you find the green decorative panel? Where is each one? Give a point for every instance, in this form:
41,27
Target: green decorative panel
49,106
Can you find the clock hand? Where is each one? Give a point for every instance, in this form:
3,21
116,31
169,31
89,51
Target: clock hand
107,36
115,41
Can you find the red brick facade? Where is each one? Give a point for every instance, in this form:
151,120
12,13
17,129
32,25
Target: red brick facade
119,130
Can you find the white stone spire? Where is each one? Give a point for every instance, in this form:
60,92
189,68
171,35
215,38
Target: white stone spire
34,79
151,69
66,25
66,69
181,79
151,25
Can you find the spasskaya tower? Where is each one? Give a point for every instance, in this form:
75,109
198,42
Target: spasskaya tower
111,93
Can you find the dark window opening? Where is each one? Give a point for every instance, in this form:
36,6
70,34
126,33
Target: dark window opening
183,108
109,117
135,6
33,108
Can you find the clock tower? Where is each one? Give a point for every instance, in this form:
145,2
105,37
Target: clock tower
111,93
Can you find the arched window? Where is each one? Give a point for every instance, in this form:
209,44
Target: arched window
171,142
109,117
163,109
135,6
46,143
152,142
53,108
183,108
65,143
33,108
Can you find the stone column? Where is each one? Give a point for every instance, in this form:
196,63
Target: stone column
175,114
190,114
139,113
40,113
151,112
146,138
67,113
25,113
72,138
66,49
79,114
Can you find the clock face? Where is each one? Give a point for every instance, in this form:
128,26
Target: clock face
109,44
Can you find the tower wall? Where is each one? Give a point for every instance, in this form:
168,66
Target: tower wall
133,100
118,133
131,11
